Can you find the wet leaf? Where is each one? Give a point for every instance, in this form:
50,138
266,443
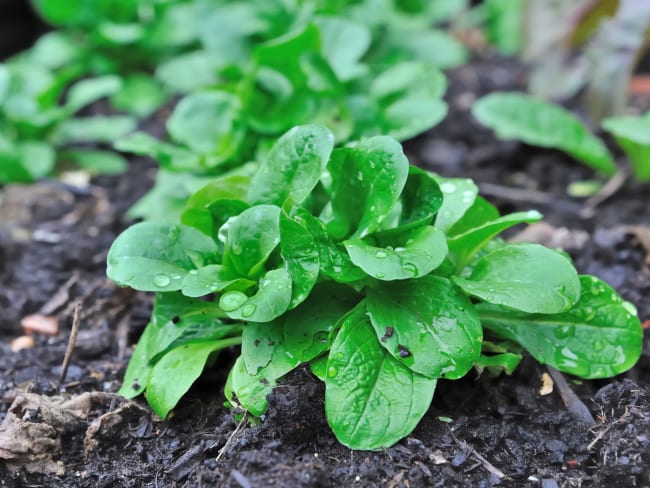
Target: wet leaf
151,256
540,123
428,325
371,400
423,250
598,338
526,277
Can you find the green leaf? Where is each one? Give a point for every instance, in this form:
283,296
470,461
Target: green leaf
344,44
177,320
90,90
93,129
152,256
205,210
37,158
212,279
480,213
308,327
458,196
598,338
300,254
209,123
173,375
526,277
367,180
166,200
498,363
188,72
633,135
428,325
271,300
99,162
371,400
540,123
249,391
140,95
334,260
251,237
138,369
424,250
293,167
463,246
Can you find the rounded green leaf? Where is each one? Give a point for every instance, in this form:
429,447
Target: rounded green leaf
271,300
300,254
423,251
599,337
526,277
152,256
209,123
371,400
211,279
293,167
251,237
429,325
540,123
458,196
173,375
367,180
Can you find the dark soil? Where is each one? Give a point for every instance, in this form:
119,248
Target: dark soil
480,431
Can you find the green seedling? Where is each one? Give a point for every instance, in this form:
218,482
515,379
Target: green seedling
37,131
541,123
383,278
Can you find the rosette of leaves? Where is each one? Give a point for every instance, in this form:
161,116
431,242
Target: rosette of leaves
381,277
37,131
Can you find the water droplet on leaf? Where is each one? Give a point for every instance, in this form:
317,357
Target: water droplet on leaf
161,280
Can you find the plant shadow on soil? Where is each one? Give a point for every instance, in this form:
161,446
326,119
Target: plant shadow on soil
480,431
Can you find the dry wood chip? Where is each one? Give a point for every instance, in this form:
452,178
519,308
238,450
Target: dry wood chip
22,342
40,324
547,385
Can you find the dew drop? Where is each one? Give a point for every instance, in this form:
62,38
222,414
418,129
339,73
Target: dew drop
565,331
381,254
332,372
360,176
232,300
533,214
161,280
193,272
380,275
598,346
411,268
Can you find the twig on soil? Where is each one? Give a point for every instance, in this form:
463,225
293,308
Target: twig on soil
61,296
232,437
608,190
573,404
122,334
467,448
71,343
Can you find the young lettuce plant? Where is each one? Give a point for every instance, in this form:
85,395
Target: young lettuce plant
381,277
540,123
37,131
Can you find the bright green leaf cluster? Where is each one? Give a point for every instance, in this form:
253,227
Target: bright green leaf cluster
382,277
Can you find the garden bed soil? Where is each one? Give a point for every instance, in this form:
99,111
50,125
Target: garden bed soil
480,431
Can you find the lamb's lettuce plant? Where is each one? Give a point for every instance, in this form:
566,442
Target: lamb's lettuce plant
541,123
37,130
381,277
633,135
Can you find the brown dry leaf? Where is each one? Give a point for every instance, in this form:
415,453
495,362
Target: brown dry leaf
30,434
40,324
